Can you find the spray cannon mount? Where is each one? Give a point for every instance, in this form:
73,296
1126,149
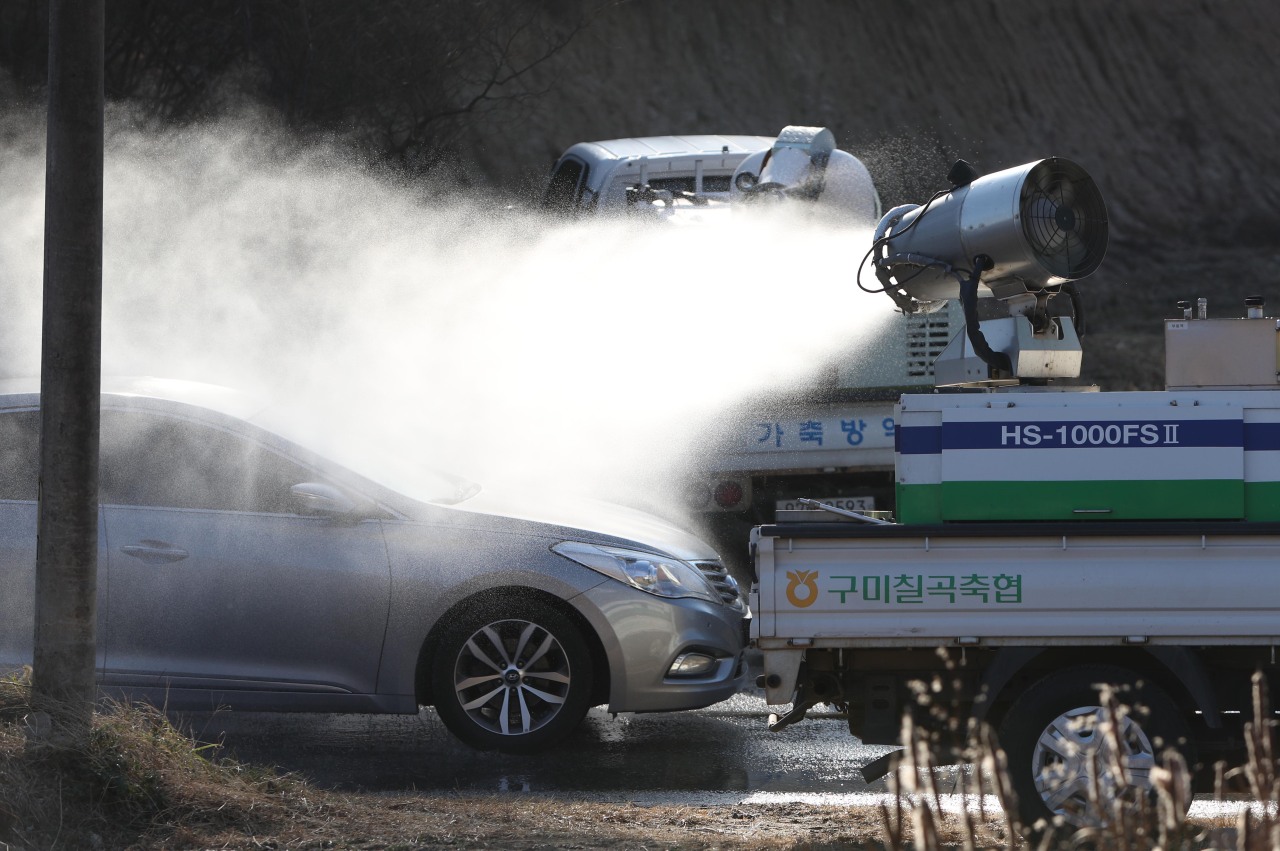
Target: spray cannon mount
1015,239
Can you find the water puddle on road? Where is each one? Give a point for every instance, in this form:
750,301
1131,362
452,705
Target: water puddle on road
724,749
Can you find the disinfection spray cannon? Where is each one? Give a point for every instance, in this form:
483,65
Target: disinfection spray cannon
804,164
1016,239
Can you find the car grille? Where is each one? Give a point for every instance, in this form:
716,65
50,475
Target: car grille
720,580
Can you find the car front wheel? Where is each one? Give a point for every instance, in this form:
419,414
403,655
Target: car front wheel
518,680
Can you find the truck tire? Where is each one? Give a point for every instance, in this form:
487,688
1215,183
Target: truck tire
517,680
1050,735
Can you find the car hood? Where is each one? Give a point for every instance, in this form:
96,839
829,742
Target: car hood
594,519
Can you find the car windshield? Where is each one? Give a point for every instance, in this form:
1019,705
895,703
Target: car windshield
415,478
393,461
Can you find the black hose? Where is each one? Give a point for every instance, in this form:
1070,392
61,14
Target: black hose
1077,306
969,301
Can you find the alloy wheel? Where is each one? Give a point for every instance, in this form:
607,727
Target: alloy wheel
512,677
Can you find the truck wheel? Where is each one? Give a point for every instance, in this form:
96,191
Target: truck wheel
518,681
1052,735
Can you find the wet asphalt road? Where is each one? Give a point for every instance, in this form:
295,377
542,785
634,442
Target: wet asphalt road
725,748
722,754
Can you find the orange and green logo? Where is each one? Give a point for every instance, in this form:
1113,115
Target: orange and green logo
802,588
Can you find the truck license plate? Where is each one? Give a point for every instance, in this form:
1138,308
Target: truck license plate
848,503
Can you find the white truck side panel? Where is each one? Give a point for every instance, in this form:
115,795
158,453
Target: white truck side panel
1067,589
813,438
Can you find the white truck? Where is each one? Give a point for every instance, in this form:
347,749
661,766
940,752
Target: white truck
1047,539
831,439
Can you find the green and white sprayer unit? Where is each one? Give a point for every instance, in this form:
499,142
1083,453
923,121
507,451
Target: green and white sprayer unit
1048,539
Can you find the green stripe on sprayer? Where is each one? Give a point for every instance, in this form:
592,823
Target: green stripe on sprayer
1201,499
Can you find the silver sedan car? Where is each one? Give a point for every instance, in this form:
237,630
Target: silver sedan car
239,569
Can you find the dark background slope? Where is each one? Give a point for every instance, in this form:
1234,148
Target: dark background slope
1171,106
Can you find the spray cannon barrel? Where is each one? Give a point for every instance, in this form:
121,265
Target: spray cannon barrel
1020,230
1020,236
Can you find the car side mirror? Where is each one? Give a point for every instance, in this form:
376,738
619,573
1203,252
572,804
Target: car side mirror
318,499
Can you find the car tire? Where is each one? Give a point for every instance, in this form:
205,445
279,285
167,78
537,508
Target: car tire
513,677
1050,736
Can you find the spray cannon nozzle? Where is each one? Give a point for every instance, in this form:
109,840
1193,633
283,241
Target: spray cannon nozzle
804,165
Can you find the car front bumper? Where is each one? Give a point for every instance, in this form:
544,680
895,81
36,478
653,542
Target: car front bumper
643,635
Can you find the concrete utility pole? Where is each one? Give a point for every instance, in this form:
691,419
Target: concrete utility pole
62,683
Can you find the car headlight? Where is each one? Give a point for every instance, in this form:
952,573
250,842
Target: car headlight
659,575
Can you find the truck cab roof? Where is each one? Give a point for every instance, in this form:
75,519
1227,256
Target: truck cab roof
594,176
670,146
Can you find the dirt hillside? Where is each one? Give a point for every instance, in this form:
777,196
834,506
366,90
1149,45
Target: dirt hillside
1170,104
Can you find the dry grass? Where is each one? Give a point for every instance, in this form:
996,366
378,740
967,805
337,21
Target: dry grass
136,774
141,784
1158,821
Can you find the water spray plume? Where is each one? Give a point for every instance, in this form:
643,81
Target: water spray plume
510,346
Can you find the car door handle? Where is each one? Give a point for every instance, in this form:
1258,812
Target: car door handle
154,552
